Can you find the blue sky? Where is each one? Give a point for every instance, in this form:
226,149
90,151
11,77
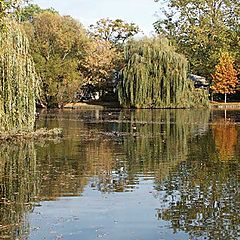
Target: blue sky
141,12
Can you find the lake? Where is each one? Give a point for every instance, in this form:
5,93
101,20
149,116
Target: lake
124,174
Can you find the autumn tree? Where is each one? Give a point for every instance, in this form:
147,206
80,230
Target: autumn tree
225,77
115,31
57,44
201,30
98,65
104,54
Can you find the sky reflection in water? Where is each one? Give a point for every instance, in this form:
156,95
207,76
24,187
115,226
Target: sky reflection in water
147,174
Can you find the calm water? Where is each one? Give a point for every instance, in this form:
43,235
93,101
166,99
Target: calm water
134,175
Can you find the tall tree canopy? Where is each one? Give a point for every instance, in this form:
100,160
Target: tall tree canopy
202,30
7,9
115,31
155,76
57,44
28,12
98,65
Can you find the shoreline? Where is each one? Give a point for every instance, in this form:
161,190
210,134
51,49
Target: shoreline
104,105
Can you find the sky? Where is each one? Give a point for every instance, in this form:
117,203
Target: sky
141,12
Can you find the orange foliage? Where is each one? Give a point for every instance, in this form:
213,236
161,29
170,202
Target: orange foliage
99,63
225,136
225,76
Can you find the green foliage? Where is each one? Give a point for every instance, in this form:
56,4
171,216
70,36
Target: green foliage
115,31
18,81
28,12
155,76
10,9
202,30
103,63
57,44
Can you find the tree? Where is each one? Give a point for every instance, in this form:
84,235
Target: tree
28,12
8,8
19,83
57,44
202,30
225,77
115,31
98,65
155,76
108,37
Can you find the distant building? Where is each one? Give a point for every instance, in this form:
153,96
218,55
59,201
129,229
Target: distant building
199,81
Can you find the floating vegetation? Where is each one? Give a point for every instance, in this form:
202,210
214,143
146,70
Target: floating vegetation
18,80
38,134
155,76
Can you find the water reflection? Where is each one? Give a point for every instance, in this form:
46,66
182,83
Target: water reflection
181,164
162,139
201,196
226,136
19,184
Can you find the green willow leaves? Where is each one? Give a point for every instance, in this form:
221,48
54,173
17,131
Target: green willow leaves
155,76
18,81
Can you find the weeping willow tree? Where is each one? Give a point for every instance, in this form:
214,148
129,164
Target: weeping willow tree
155,76
18,80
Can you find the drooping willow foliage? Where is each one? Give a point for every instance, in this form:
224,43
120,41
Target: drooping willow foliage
155,76
18,80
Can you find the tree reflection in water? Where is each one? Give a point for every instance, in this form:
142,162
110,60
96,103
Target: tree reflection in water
111,151
201,196
225,136
19,184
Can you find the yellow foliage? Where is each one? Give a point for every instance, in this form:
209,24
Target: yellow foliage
98,65
225,76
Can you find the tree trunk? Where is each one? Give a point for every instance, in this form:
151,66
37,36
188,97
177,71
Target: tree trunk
225,98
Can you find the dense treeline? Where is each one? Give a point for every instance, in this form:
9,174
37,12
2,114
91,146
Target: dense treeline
69,58
202,31
57,44
73,63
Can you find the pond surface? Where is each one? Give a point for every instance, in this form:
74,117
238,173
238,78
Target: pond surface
121,174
